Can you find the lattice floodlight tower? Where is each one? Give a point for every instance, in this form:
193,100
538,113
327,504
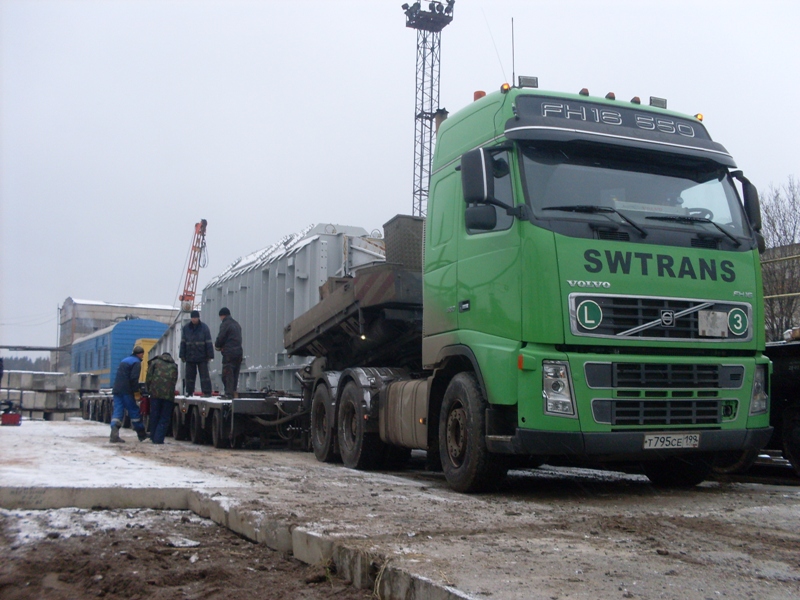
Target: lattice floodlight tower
429,25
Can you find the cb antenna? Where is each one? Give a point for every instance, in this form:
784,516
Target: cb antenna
513,55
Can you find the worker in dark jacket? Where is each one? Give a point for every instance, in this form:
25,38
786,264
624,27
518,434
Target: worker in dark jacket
196,351
162,375
126,384
229,343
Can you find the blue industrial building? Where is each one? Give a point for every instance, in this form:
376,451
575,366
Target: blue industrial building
100,353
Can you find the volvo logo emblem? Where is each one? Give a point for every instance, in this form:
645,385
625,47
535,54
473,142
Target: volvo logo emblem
668,318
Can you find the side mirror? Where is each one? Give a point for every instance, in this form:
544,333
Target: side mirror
481,217
477,176
752,207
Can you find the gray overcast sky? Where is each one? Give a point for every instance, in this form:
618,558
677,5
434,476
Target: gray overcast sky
125,122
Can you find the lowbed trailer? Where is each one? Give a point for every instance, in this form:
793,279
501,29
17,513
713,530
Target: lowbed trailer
228,422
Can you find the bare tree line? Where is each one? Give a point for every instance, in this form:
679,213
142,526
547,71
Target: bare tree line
780,213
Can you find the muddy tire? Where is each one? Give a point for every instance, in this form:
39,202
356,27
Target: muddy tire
360,449
790,434
467,464
180,432
679,471
734,461
219,433
321,432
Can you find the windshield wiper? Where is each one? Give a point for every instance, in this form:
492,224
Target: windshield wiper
688,219
587,208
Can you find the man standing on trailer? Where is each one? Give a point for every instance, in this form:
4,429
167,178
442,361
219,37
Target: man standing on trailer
229,343
162,375
126,384
196,351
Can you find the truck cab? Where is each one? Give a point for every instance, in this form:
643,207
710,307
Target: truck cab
591,290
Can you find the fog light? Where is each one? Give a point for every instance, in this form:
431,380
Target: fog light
556,389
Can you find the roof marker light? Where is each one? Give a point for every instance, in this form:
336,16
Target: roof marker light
658,102
636,100
699,117
477,95
584,92
505,87
611,96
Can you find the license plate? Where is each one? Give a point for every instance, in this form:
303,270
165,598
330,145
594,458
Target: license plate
671,440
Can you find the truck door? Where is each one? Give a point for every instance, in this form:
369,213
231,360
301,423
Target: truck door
489,268
441,254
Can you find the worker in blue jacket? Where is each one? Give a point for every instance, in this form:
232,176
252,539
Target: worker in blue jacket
126,384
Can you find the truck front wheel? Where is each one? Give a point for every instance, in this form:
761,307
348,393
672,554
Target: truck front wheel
321,431
679,471
467,464
360,449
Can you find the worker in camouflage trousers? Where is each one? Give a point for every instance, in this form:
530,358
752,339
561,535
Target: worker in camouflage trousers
162,375
196,352
229,343
126,387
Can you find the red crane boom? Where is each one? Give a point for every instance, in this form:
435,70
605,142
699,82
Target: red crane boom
198,248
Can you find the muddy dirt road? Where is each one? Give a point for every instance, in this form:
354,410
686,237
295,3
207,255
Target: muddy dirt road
550,533
159,555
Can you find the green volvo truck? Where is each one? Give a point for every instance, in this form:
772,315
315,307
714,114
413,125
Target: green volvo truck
589,292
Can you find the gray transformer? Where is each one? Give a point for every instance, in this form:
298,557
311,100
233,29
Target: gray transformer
267,290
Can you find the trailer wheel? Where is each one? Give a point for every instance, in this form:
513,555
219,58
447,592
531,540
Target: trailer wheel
466,462
179,430
790,433
196,431
360,449
219,434
321,432
679,471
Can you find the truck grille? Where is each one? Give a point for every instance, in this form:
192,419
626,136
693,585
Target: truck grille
658,375
657,412
654,318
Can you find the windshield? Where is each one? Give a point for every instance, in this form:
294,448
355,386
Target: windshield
644,189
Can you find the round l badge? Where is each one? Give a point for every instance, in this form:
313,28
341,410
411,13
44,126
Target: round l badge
590,315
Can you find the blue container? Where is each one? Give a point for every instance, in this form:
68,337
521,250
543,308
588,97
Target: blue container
101,352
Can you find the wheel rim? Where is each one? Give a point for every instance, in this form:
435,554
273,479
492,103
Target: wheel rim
457,434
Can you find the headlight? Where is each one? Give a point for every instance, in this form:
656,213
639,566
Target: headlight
556,389
759,399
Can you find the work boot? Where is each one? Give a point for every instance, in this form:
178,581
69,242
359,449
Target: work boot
142,435
115,439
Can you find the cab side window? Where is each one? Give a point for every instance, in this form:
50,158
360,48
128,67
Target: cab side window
502,192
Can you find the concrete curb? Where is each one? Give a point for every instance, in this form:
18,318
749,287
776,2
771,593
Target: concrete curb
364,570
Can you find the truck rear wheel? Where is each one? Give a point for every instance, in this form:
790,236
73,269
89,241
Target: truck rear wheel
321,431
466,462
360,449
179,430
790,433
219,433
679,471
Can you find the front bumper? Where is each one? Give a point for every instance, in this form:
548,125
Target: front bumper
627,443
